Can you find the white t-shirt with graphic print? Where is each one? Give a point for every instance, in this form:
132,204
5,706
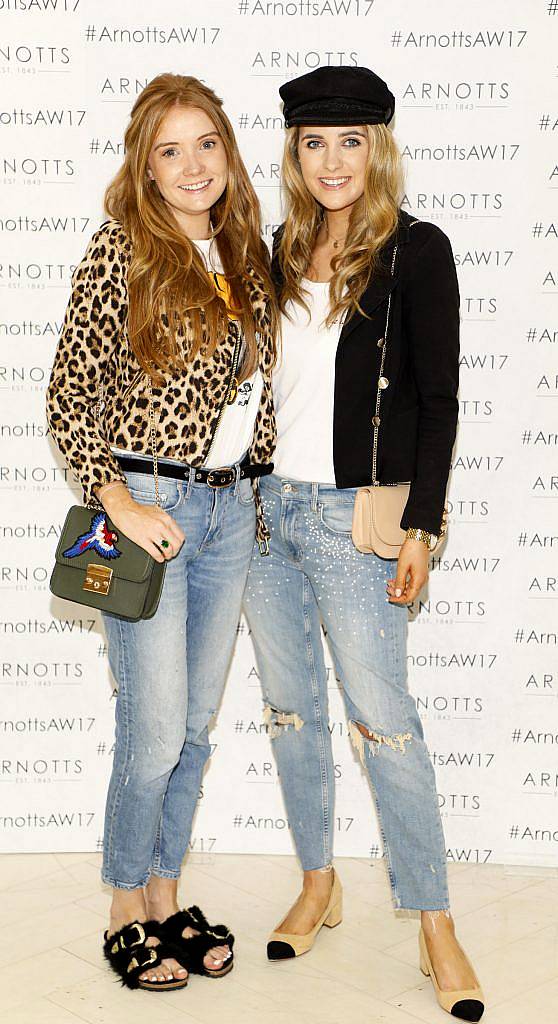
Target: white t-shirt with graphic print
236,428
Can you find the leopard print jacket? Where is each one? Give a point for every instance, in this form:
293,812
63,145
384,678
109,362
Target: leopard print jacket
94,361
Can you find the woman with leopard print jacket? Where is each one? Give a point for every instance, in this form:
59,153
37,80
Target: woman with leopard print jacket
171,319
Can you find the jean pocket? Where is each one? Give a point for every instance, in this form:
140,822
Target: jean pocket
337,517
142,488
245,492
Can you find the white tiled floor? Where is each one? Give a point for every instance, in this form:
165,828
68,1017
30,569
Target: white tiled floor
53,910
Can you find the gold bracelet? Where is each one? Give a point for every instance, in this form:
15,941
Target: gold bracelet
106,487
415,534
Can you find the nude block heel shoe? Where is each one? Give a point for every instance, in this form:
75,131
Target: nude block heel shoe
467,1004
282,946
336,915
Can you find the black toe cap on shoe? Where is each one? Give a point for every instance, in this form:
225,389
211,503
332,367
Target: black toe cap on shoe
468,1009
282,951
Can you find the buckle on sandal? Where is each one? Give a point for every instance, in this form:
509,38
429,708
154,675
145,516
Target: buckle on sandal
151,958
121,943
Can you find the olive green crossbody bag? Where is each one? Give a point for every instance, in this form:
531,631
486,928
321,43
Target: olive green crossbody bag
99,567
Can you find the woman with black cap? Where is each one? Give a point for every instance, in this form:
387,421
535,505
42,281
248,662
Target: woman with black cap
365,391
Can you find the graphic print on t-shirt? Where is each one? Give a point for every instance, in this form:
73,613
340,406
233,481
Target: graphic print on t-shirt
235,430
223,287
244,392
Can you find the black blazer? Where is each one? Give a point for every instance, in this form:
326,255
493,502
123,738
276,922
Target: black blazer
419,407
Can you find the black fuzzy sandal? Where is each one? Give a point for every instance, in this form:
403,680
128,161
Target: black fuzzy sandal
192,951
129,956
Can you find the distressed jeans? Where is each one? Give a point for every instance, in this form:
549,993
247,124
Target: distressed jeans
313,576
170,672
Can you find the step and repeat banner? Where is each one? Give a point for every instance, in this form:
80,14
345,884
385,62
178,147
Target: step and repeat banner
477,120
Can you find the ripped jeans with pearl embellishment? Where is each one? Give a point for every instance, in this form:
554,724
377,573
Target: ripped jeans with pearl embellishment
315,575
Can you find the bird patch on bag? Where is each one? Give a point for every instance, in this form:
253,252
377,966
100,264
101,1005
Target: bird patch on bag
99,539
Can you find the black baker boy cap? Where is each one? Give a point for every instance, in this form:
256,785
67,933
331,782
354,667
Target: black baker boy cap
337,96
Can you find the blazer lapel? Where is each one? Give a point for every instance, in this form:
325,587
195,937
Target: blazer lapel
376,294
380,288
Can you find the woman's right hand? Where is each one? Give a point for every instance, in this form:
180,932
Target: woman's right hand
146,525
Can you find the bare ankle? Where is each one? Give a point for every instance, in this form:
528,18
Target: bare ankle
318,882
127,906
161,896
161,888
437,922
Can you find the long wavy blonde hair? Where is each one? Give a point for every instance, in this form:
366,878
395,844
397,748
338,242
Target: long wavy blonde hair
174,311
373,219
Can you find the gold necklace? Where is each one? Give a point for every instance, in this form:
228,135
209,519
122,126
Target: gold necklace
336,241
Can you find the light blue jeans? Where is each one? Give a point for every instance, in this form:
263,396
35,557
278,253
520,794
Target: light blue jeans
170,671
313,576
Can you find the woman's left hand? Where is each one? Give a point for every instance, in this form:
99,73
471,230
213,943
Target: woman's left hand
412,572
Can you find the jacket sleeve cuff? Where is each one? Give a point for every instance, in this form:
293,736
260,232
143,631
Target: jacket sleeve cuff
421,519
110,474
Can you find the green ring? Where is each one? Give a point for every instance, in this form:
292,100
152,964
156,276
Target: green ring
165,543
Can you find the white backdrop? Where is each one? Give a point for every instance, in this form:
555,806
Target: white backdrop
477,117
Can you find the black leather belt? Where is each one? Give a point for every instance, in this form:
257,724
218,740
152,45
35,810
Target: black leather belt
223,477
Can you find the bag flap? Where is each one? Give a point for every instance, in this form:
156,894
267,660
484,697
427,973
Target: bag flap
387,509
89,536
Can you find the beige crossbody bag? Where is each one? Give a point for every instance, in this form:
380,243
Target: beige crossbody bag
379,507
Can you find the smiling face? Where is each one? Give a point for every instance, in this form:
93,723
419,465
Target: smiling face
333,163
188,162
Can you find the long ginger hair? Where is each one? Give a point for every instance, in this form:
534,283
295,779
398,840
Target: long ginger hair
373,219
174,312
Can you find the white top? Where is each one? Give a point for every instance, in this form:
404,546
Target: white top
303,385
236,427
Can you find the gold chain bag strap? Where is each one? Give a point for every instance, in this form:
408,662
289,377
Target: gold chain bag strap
378,508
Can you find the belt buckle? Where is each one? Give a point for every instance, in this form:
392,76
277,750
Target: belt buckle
221,483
